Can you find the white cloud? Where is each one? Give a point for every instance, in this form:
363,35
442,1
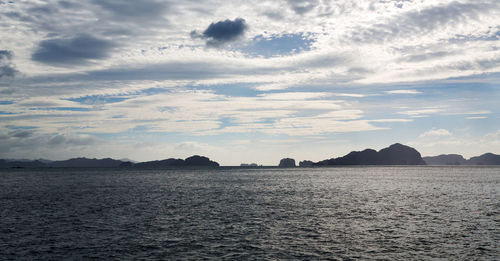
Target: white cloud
478,112
403,92
435,133
441,141
420,113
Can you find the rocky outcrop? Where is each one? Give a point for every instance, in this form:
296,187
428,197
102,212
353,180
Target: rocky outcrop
287,163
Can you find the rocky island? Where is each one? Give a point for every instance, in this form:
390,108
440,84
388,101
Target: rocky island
396,154
287,163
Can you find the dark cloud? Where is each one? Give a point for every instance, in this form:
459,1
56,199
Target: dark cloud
5,55
417,23
21,133
78,50
72,140
7,69
222,32
302,6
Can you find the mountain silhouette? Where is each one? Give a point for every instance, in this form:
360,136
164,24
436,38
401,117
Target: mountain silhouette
396,154
455,159
485,159
193,161
86,163
446,159
21,164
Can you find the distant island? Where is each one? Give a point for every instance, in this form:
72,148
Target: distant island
396,154
455,159
249,165
193,161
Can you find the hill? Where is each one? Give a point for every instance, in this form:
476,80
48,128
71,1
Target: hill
396,154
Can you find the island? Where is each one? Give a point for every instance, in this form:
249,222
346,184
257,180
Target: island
193,161
455,159
396,154
287,163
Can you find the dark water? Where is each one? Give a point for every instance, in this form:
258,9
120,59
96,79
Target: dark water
307,214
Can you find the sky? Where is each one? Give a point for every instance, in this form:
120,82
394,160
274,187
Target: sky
247,81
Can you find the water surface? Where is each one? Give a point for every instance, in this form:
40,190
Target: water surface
324,213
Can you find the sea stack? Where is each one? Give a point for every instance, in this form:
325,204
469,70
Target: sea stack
287,163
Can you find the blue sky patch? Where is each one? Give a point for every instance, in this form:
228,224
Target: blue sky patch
62,109
278,45
98,99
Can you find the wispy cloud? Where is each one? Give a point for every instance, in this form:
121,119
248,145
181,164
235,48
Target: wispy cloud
435,133
404,92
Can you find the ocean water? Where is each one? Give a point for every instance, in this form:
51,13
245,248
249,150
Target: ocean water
403,213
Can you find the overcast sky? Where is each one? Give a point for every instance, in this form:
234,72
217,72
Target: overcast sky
247,81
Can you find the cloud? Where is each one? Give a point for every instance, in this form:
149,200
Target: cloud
5,55
403,92
468,146
415,58
21,133
131,17
420,113
79,50
435,133
72,140
476,117
302,6
33,141
222,32
193,147
415,23
7,69
129,10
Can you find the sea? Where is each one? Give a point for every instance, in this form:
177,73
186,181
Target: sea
341,213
